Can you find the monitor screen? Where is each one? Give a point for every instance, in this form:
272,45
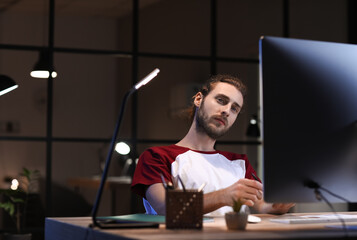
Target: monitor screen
309,119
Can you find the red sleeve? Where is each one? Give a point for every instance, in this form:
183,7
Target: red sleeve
150,165
250,171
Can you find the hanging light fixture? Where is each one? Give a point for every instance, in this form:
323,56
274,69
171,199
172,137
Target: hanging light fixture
253,127
7,84
42,67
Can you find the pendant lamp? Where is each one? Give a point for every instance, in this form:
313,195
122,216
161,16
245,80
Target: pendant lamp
42,67
7,84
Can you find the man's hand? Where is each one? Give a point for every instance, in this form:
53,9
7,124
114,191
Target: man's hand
247,191
274,208
280,208
256,200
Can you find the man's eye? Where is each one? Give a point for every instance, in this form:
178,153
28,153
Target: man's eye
220,100
235,109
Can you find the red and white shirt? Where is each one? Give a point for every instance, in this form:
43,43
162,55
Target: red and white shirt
216,169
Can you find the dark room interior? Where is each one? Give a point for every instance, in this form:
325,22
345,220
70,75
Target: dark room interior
62,126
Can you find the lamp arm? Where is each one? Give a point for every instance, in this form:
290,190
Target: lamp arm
144,81
109,156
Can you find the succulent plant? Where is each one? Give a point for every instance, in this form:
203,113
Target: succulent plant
237,204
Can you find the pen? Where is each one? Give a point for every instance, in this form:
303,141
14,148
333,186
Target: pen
163,181
167,185
183,186
255,177
201,187
170,186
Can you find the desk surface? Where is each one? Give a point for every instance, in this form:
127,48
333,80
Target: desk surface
77,228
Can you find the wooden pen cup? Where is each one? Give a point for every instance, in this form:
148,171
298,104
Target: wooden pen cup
184,209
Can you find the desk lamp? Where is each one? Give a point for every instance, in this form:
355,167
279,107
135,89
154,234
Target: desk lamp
123,149
111,224
6,84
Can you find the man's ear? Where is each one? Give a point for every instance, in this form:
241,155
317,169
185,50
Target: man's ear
198,99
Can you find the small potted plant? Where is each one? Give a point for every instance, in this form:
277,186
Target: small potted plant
237,219
14,202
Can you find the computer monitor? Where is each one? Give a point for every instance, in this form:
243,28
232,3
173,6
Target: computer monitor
309,119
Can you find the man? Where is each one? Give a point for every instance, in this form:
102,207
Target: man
228,176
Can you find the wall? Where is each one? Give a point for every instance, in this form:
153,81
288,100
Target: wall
84,103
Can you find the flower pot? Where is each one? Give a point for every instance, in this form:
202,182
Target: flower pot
236,220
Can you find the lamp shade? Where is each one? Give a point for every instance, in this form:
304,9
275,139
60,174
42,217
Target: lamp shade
122,148
42,67
6,84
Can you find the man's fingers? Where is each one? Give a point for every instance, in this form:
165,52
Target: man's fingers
249,196
253,191
247,190
247,202
282,207
251,183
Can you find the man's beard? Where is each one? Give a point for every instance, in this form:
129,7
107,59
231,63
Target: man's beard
202,125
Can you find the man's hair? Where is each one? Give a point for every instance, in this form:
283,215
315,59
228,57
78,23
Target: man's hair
225,78
209,85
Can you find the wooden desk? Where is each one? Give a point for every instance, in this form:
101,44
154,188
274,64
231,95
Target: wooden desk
77,228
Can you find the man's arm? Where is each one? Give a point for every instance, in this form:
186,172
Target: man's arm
155,194
247,191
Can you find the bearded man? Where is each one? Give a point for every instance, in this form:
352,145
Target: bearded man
228,176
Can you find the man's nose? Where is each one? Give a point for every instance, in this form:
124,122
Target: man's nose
225,110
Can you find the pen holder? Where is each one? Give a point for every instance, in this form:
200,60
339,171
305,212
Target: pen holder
184,209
